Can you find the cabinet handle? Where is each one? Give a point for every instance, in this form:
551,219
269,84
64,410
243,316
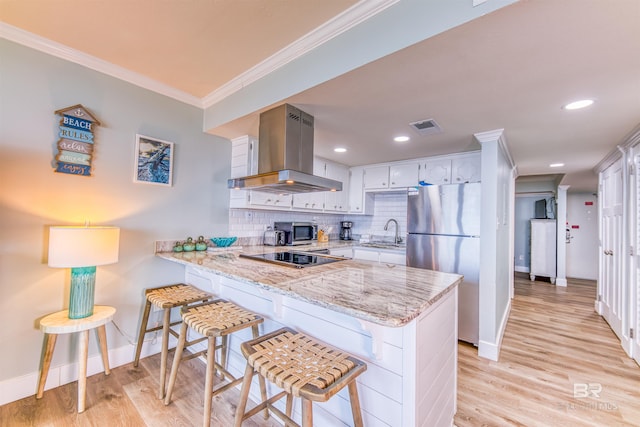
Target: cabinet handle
393,183
446,179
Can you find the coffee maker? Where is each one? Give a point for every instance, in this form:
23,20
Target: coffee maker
345,230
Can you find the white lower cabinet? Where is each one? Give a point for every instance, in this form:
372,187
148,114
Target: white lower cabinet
343,252
380,255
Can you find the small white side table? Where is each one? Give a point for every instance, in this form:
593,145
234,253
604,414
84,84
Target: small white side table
59,323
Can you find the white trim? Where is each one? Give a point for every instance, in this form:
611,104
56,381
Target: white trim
617,153
17,388
491,350
498,135
521,269
353,16
58,50
561,282
350,18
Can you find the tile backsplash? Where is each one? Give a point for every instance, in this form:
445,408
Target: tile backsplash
250,224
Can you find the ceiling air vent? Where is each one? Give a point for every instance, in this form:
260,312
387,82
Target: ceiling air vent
426,127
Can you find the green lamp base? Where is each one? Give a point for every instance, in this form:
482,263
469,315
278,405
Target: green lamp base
83,280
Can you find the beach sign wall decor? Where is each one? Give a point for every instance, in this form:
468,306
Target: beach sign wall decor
75,146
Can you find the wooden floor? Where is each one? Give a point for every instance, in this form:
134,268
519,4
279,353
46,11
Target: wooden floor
128,397
553,341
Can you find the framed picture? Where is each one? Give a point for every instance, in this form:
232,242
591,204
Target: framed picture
154,161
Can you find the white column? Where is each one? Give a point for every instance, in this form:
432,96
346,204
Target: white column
561,250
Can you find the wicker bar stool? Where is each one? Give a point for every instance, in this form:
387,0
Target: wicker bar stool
302,367
166,298
213,319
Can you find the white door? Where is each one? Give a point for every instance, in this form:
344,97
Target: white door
582,236
635,267
611,287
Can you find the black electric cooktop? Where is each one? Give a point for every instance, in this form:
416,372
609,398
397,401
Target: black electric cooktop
294,259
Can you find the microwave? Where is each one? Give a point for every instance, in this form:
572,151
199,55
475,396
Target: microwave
297,233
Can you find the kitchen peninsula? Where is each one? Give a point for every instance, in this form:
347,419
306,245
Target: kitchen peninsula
401,321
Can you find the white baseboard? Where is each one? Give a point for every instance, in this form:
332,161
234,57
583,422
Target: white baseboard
23,386
491,350
561,282
521,269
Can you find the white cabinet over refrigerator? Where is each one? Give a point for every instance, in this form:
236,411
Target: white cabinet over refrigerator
543,249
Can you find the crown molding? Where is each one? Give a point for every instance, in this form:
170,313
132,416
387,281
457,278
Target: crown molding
350,18
59,50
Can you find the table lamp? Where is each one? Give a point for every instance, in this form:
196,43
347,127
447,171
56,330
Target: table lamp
82,248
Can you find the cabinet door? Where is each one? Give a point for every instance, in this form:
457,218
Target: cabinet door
376,178
365,254
356,190
393,258
465,169
337,201
437,172
308,201
311,201
269,199
343,252
243,152
405,175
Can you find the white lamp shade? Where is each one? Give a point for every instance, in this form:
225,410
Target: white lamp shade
83,246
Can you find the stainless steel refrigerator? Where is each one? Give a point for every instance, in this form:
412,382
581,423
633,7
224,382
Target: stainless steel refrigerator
443,226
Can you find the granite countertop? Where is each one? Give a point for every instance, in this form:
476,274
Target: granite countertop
385,294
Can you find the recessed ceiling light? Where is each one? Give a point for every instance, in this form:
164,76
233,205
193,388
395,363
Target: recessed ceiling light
578,104
340,150
556,165
401,138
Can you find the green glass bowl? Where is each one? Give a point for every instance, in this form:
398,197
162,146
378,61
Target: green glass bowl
223,242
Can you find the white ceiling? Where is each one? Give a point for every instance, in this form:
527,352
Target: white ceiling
513,69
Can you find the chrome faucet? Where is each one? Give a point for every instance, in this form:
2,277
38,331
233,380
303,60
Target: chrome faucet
397,239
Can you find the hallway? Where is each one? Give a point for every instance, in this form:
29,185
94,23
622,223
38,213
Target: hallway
560,365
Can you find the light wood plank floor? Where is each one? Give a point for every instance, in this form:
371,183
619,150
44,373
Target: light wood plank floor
553,340
128,397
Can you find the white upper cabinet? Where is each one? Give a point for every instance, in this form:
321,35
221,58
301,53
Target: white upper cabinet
358,183
376,178
436,172
356,190
337,201
311,201
393,176
259,198
328,201
242,150
360,202
465,169
404,175
453,170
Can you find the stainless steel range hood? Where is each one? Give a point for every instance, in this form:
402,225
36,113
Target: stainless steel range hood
285,155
